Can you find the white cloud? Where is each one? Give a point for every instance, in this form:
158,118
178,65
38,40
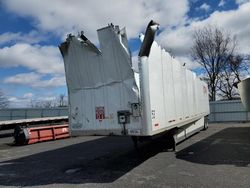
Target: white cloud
42,59
178,41
28,95
18,102
191,65
242,1
236,21
205,7
23,79
31,37
221,3
55,81
23,101
62,16
30,99
35,80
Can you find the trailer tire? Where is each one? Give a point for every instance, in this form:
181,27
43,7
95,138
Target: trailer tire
20,135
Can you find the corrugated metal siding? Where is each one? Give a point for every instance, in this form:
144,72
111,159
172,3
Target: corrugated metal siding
26,113
220,111
228,111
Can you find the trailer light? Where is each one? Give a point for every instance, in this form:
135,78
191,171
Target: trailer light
123,116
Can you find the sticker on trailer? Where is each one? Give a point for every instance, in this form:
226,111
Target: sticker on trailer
134,131
99,113
153,114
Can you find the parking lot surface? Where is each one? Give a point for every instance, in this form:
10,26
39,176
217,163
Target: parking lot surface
217,157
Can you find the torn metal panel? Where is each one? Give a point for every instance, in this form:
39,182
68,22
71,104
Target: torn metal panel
64,48
100,79
148,39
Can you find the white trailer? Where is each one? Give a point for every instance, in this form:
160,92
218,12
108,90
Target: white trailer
110,95
244,89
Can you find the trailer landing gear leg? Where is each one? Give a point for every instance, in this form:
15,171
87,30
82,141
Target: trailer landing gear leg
205,123
135,141
171,143
174,145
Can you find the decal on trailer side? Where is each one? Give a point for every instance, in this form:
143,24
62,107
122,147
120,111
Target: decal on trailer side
134,131
100,113
153,114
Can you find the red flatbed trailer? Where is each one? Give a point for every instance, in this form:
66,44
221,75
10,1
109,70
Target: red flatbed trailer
31,135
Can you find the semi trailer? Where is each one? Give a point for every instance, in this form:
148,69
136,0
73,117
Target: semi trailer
109,94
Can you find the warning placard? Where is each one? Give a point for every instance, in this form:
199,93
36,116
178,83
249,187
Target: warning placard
99,113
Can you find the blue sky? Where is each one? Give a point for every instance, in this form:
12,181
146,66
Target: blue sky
31,67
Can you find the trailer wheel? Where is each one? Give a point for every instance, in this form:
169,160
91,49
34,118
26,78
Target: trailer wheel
20,136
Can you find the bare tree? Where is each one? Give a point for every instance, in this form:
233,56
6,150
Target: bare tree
47,104
42,104
62,100
4,103
231,75
212,49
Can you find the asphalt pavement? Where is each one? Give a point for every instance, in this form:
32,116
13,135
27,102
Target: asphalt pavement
217,157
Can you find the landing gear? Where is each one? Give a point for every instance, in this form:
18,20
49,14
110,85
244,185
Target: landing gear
170,140
171,143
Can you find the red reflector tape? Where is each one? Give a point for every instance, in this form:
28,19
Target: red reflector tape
157,124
